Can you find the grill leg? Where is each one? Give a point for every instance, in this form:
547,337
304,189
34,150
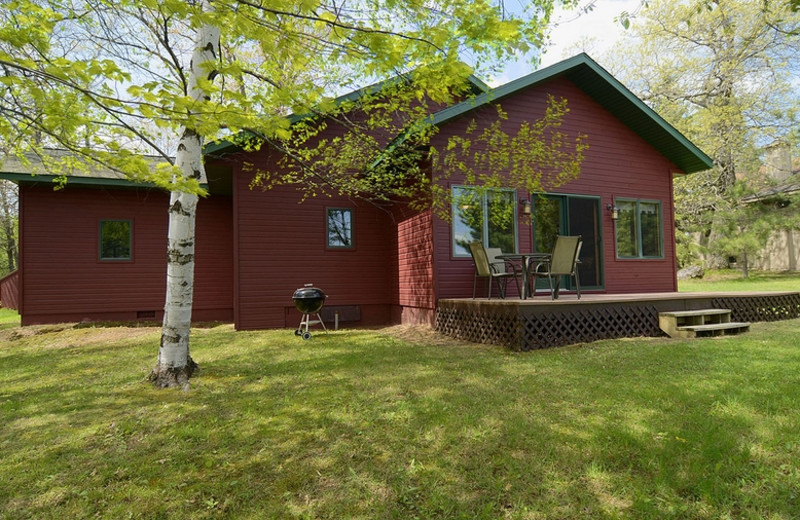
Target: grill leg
322,323
305,321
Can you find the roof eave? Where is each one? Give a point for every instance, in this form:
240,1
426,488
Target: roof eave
94,181
83,181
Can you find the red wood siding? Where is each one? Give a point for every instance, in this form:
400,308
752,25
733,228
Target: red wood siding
415,267
63,280
618,163
213,284
9,291
281,245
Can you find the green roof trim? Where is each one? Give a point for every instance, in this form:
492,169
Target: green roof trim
34,171
93,181
612,95
581,70
82,181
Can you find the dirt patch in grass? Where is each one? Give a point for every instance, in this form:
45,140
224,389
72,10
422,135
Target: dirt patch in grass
51,338
115,333
422,334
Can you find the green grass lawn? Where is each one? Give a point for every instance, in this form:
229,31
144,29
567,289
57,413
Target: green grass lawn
732,281
360,424
8,318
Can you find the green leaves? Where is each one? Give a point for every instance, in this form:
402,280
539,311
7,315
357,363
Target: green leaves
533,157
624,19
114,75
722,74
27,24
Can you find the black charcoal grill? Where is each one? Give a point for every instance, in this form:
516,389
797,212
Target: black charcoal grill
309,300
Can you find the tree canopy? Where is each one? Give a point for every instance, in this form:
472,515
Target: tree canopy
724,74
721,72
113,76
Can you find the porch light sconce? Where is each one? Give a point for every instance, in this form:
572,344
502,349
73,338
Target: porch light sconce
614,211
526,206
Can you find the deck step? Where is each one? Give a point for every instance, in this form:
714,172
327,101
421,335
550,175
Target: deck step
717,329
701,312
700,323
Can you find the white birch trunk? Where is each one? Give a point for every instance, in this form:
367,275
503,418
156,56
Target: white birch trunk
175,366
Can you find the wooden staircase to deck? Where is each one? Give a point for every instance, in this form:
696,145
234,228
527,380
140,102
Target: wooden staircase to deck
700,323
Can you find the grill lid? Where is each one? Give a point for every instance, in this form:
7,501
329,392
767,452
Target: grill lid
308,292
309,299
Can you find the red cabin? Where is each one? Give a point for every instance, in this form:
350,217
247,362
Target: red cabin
95,250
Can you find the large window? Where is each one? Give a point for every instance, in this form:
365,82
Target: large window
484,215
339,223
639,229
116,240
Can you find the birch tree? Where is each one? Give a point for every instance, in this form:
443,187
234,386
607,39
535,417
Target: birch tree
107,80
175,366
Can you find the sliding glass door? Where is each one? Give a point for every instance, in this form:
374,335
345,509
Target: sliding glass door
555,215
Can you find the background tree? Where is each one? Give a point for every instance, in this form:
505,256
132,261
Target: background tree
743,229
107,79
9,218
722,73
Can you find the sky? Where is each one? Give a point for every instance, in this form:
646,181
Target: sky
593,32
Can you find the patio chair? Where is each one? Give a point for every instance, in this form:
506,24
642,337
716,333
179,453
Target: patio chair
491,269
504,264
563,262
499,263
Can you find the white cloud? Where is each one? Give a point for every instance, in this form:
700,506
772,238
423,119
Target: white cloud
594,32
575,31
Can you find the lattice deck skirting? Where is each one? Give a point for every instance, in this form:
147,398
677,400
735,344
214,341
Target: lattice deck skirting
540,323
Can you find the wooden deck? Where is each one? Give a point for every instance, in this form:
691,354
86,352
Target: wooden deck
541,322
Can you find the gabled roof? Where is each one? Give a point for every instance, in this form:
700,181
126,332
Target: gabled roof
612,95
232,143
580,70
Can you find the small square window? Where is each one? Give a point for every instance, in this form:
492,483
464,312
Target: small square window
340,228
116,240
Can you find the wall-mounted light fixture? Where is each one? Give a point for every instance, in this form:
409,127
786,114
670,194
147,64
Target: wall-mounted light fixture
614,211
526,206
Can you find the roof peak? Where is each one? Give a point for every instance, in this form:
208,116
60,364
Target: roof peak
610,93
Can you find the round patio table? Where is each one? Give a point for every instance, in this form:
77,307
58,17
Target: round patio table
529,261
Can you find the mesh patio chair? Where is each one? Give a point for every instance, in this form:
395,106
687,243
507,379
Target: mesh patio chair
504,264
563,262
491,269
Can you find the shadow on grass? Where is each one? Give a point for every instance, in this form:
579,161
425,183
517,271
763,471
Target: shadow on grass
359,425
